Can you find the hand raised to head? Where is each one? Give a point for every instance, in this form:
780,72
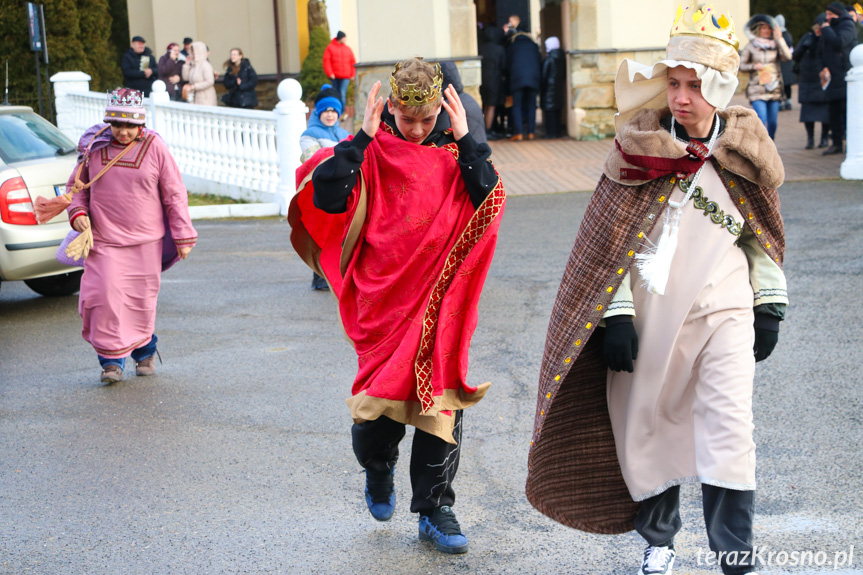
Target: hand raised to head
457,114
374,108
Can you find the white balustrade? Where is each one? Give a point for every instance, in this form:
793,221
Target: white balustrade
248,154
852,167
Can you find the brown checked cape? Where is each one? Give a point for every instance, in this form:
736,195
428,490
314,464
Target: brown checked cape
573,472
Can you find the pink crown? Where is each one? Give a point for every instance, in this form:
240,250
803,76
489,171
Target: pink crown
125,98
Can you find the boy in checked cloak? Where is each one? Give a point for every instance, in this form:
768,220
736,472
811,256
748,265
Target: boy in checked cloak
402,221
675,278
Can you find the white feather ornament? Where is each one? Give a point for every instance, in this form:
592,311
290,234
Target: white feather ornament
654,263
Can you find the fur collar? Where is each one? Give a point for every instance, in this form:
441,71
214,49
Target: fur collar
744,148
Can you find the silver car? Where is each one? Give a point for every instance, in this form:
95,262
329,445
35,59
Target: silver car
36,159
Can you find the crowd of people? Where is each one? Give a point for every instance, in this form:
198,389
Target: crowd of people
817,64
188,74
515,76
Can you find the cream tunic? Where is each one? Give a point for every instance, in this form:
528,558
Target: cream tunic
685,414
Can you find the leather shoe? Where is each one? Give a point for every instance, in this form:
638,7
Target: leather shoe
516,138
832,150
146,366
112,373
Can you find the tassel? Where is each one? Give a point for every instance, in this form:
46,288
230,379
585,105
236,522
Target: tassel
654,264
47,210
79,248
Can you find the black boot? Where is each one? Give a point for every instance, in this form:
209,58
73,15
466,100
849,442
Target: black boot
319,283
810,142
825,136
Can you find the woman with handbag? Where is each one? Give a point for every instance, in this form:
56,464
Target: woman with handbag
761,59
201,78
240,81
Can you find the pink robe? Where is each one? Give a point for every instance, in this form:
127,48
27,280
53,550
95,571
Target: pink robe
128,207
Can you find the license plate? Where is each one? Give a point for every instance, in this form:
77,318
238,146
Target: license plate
59,190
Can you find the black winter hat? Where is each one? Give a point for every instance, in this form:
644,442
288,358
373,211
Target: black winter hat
340,35
837,8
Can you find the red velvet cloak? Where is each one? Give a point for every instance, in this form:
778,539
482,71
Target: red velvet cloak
407,263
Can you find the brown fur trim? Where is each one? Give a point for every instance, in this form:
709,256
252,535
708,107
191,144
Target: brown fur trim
744,148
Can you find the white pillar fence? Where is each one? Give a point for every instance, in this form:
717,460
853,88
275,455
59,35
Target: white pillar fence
852,167
243,154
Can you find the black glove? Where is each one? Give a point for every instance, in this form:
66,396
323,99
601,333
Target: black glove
766,335
620,344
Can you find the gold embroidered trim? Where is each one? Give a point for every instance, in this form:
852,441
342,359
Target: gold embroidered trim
711,209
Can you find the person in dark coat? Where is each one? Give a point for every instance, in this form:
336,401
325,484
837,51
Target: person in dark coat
813,101
838,37
789,78
171,71
475,120
240,81
492,90
187,49
524,70
553,95
137,65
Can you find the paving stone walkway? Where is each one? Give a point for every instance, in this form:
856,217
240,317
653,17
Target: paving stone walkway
565,165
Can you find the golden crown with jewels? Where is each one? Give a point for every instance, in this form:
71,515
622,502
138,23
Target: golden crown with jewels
704,21
410,95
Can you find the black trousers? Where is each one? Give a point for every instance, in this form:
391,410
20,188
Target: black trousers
434,462
837,121
552,123
728,516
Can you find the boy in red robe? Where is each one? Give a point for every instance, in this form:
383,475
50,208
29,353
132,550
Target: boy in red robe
402,220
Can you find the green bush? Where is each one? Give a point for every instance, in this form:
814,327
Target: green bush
77,32
312,75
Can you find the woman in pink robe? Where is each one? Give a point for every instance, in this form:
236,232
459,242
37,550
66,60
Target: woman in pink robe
135,207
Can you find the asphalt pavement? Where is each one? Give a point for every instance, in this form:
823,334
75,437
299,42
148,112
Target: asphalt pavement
236,459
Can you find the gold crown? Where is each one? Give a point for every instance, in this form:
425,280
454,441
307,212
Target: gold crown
410,95
704,21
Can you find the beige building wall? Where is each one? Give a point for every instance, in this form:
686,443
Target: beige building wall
387,31
634,24
600,34
222,25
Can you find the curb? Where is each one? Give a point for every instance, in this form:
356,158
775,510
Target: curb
233,211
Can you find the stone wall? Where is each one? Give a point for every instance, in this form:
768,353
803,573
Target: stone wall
591,88
591,77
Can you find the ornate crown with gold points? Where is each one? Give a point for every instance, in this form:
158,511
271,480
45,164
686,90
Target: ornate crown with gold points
704,21
410,95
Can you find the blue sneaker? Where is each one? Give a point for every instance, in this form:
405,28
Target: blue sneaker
381,495
441,527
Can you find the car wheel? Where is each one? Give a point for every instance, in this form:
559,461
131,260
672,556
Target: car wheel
54,286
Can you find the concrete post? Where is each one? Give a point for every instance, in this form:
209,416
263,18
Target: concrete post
290,123
852,167
66,83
